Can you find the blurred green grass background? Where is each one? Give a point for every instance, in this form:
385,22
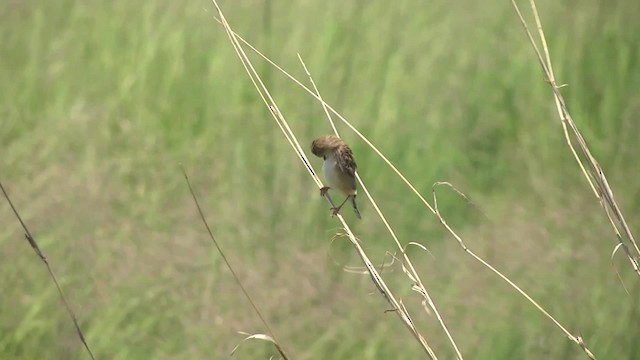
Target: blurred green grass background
101,100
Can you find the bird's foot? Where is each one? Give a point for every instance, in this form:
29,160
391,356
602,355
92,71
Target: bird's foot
324,190
335,211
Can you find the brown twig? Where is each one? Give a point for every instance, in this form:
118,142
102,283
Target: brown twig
233,272
43,258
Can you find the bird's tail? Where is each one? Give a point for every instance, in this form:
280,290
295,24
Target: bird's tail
355,207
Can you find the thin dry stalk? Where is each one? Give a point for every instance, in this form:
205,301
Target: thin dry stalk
407,265
43,258
283,124
601,190
577,339
271,335
262,337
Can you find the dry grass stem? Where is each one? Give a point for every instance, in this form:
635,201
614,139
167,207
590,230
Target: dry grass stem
263,337
601,190
284,127
236,278
43,258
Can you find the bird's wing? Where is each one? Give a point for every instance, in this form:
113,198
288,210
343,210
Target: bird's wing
346,163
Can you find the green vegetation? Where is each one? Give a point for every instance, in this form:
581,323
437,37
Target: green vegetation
101,100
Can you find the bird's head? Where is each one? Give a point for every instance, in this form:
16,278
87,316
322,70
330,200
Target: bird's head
324,145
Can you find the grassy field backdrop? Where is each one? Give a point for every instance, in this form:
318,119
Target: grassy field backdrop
101,100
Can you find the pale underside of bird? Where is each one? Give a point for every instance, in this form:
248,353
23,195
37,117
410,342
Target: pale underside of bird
339,168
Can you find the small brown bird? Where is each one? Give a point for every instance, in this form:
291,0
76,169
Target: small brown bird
339,168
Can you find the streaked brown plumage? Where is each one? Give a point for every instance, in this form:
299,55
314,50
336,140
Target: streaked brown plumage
339,167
